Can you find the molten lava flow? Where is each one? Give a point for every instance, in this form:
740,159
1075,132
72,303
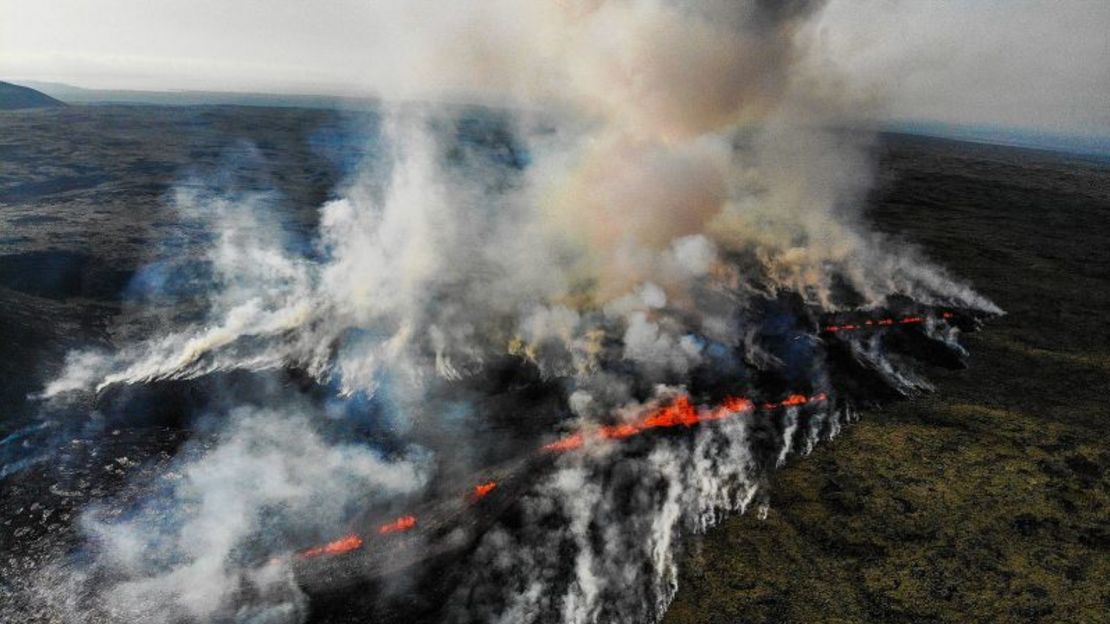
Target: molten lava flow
404,523
568,443
341,545
482,489
886,322
618,432
736,404
728,407
680,411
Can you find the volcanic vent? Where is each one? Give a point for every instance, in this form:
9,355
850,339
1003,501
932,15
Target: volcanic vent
440,532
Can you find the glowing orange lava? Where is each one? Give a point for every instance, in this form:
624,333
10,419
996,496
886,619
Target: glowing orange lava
886,322
795,399
482,489
618,432
679,411
568,443
341,545
404,523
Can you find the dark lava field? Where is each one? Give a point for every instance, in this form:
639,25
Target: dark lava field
987,501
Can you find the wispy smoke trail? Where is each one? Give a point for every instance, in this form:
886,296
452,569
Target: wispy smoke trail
675,168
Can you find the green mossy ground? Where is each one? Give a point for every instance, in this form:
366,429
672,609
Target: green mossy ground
988,501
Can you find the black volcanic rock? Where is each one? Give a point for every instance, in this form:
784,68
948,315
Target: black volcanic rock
13,97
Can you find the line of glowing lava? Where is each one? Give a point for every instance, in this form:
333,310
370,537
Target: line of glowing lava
886,322
344,544
404,523
353,541
680,411
482,489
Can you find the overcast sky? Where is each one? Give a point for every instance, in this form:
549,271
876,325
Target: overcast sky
1041,64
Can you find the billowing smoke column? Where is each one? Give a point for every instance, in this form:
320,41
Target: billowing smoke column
662,220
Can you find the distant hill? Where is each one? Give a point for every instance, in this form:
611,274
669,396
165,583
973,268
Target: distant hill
80,95
14,96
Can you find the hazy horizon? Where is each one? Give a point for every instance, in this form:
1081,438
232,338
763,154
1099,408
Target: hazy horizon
1032,65
993,134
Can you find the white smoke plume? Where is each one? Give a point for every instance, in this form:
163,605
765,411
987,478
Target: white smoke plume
701,124
686,160
192,552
